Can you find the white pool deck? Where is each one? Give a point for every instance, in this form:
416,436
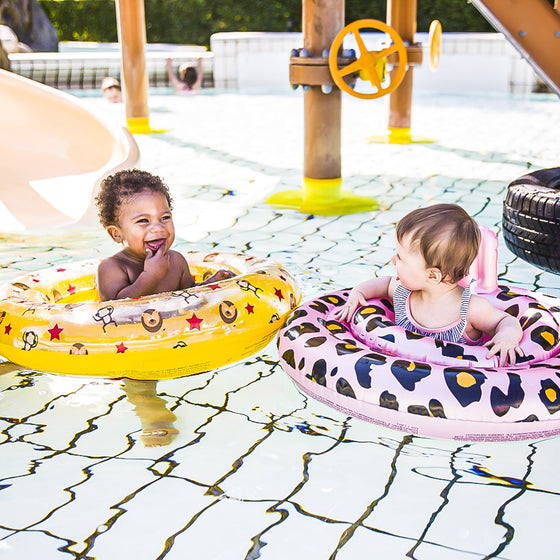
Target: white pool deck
259,470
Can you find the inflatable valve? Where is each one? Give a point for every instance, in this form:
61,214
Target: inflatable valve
485,266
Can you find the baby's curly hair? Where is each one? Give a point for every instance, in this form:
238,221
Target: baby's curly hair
116,188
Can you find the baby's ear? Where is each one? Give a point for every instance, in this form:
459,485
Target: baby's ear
115,233
434,275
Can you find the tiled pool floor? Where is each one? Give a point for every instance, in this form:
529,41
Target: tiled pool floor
259,470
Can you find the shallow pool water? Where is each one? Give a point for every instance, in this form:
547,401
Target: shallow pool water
258,470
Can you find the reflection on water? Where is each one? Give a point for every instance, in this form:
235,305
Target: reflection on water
242,464
257,455
157,420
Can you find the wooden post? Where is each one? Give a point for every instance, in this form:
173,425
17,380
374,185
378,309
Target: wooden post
401,16
321,192
321,21
131,26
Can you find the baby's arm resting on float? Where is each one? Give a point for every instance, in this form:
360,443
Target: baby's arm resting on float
187,281
372,288
506,339
504,330
221,274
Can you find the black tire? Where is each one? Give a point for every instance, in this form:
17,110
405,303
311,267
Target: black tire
531,218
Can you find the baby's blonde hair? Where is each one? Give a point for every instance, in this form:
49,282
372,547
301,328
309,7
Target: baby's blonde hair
446,236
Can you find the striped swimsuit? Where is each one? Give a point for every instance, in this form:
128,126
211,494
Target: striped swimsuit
451,333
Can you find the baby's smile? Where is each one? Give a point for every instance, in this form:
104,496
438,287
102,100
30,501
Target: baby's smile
155,244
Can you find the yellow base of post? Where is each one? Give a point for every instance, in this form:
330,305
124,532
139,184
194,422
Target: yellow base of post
141,125
399,136
323,197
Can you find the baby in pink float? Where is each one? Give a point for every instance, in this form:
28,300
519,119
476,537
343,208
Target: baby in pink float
435,247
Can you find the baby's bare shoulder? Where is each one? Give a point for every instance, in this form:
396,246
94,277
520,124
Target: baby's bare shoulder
177,258
115,262
112,275
479,302
109,263
176,254
482,312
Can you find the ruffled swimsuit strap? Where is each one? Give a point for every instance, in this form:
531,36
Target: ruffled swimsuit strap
454,333
400,297
465,300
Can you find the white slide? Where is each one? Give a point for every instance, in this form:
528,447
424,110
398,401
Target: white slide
53,154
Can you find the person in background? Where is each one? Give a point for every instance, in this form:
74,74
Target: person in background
111,89
188,77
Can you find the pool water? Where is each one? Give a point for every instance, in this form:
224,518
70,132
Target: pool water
254,468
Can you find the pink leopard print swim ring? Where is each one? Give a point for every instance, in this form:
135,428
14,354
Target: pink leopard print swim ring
373,370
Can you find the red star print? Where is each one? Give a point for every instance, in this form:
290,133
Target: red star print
250,308
55,332
7,329
121,348
214,287
278,294
194,322
71,289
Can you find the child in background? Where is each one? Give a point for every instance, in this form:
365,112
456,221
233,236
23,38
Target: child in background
111,89
188,78
135,209
435,249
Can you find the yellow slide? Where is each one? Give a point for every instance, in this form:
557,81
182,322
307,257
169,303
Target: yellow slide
53,154
533,27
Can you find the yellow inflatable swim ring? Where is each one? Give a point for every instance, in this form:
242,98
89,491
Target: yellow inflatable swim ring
52,320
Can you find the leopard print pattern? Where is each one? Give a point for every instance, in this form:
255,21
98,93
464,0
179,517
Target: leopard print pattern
327,360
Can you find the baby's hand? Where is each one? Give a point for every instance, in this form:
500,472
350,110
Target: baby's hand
220,275
157,263
355,300
505,342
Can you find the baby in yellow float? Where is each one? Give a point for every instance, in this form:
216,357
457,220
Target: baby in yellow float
135,208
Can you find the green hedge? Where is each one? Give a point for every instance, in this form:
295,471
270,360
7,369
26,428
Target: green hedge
193,21
454,15
87,20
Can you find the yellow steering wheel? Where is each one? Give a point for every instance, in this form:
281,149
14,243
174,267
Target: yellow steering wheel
434,39
369,64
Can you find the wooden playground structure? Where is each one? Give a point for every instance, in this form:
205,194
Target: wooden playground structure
325,69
